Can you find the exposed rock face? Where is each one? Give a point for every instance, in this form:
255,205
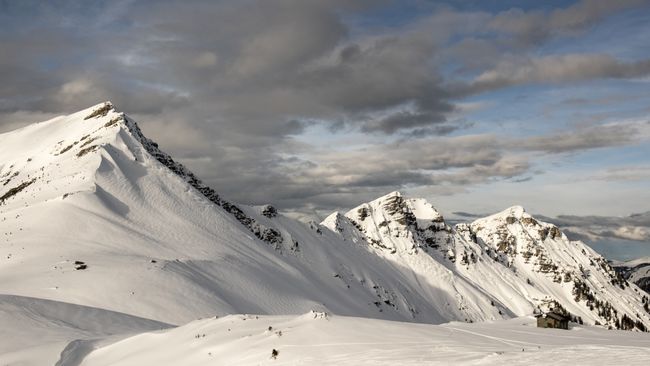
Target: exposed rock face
13,191
269,211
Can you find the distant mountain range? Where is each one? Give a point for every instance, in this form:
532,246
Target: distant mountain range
637,271
93,213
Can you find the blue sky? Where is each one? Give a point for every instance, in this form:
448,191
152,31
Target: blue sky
323,104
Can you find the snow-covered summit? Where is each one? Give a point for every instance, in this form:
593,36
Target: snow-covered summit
396,223
515,215
39,161
333,221
516,212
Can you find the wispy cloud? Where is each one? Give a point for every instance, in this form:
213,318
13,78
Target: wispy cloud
591,228
556,69
584,138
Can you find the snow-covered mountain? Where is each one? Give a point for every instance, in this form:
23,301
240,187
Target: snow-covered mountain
94,215
636,271
508,263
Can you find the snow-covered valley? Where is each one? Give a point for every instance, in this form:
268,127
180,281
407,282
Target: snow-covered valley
105,236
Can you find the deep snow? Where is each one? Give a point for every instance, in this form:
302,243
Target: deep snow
313,339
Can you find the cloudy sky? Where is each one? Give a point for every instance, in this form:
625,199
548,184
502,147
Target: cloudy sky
317,105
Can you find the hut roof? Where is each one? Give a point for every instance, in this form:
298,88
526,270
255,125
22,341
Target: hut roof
555,316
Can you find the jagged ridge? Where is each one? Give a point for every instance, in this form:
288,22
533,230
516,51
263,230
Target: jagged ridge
548,269
269,235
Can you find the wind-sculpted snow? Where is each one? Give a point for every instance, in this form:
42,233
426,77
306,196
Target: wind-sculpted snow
35,331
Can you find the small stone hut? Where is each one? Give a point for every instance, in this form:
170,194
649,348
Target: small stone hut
552,320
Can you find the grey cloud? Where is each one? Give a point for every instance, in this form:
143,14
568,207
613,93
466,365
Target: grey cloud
459,161
400,120
556,69
599,101
316,178
89,88
576,101
284,62
504,168
258,64
634,227
516,31
624,173
468,214
59,70
322,178
438,130
18,119
426,154
388,72
522,180
474,54
297,61
417,162
581,139
533,27
586,12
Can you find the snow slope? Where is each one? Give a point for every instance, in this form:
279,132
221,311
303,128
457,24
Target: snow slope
318,339
35,331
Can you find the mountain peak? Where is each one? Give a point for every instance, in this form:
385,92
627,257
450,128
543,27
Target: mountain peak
97,111
514,211
334,222
392,222
392,194
395,205
515,215
65,159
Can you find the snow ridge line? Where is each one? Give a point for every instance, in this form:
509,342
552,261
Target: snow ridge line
269,235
